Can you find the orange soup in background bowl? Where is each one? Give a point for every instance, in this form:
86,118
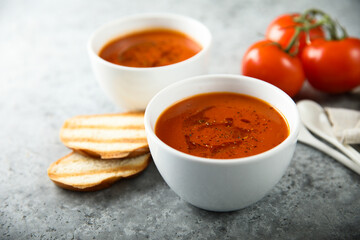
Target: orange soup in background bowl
136,56
221,142
150,48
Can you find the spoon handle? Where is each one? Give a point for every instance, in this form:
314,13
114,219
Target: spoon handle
347,150
355,154
313,142
315,119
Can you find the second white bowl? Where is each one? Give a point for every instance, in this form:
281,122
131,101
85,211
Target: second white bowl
132,88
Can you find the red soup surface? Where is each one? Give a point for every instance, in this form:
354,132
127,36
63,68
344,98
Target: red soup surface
150,48
222,125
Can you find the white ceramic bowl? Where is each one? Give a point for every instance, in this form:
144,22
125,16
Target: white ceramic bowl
213,184
132,88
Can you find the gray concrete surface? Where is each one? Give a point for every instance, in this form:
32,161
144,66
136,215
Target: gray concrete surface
45,78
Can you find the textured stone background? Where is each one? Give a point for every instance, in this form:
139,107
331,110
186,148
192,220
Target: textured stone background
45,78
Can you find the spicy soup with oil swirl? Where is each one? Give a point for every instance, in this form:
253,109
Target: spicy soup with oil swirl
222,125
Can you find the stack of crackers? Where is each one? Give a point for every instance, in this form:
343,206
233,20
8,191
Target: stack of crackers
105,148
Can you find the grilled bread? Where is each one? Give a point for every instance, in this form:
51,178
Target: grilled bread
81,173
106,136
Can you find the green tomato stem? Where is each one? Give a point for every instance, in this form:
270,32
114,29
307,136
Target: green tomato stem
307,26
306,20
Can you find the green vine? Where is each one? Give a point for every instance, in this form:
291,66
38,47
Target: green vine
314,18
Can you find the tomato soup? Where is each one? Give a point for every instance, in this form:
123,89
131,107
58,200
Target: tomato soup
222,125
150,48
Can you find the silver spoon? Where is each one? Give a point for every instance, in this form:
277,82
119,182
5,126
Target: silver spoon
314,118
307,138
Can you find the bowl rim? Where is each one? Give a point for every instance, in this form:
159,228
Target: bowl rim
144,16
292,137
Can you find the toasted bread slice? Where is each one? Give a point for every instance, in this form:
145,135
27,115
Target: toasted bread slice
81,173
107,136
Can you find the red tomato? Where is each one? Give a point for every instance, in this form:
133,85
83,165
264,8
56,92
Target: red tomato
266,61
332,66
282,29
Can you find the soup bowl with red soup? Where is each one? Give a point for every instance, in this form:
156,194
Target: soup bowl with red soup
136,56
221,142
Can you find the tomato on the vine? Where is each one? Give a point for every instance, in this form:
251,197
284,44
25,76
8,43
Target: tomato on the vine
332,66
267,61
282,30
